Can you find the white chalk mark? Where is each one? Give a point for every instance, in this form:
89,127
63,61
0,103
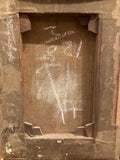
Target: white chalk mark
69,44
66,85
52,30
57,36
5,44
4,32
68,104
44,57
64,34
39,74
70,32
49,27
38,71
79,49
70,107
55,94
51,50
8,148
9,46
59,94
39,156
9,53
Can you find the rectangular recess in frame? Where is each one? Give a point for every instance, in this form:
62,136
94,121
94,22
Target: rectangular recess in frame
58,72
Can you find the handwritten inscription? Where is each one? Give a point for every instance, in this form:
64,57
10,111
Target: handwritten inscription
9,47
68,44
53,48
79,49
57,36
58,91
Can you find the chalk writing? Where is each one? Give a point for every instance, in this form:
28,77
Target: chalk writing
79,49
49,56
69,44
57,90
52,30
50,51
55,93
53,48
8,148
69,106
57,36
9,46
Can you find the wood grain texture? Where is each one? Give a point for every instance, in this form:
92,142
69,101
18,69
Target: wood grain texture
58,70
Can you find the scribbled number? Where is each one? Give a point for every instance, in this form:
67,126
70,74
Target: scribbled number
68,44
52,50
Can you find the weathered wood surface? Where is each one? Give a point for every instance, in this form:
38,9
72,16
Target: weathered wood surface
103,7
58,70
107,142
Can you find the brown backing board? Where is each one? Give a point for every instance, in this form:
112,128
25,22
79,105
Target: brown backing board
58,73
14,142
